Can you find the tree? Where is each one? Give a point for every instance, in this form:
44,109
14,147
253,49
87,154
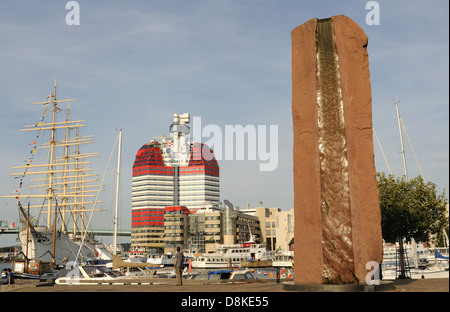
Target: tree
410,209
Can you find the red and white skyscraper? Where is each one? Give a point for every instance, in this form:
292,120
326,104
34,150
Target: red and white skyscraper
172,172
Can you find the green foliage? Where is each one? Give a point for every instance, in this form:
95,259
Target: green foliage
410,209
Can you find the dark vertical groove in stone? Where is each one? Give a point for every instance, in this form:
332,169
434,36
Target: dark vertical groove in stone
334,177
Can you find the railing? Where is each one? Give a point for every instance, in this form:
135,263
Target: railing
99,232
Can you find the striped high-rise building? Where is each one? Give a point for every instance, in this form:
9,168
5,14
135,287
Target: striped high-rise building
169,173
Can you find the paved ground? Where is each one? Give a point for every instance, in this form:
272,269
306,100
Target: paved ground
422,285
419,285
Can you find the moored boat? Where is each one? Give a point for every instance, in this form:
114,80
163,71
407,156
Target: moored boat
284,259
88,275
256,264
232,255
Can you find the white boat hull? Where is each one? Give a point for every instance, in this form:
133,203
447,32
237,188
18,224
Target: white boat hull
162,260
217,263
234,254
282,264
40,246
208,265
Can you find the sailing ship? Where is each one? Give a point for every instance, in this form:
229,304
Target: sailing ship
61,191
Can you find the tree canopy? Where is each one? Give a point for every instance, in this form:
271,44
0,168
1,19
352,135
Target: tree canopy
410,209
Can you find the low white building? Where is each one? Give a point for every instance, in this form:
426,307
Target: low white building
277,226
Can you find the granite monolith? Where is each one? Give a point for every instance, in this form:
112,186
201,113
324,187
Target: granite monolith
336,199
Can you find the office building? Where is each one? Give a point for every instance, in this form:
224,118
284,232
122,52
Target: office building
277,226
173,172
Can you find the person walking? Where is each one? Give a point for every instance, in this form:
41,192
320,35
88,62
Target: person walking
178,265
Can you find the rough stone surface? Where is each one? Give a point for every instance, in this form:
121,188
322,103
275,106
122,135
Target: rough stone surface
337,215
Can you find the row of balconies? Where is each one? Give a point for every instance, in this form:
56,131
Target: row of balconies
151,188
199,178
182,191
152,179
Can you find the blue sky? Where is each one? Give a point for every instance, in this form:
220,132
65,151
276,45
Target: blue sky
132,64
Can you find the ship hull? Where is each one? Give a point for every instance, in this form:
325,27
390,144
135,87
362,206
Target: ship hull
40,246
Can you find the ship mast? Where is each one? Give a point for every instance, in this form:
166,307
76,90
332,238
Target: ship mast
64,185
117,193
50,165
401,141
66,167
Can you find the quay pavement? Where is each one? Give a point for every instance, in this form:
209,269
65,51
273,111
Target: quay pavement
169,285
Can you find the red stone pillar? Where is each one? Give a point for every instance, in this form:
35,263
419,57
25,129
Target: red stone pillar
336,200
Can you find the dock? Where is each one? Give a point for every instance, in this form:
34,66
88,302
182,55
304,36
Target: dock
169,285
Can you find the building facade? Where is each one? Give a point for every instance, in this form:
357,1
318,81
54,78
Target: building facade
224,225
176,225
199,181
277,226
171,173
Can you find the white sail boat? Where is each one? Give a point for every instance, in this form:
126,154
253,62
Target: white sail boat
61,190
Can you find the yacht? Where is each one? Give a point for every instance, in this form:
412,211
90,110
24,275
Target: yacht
284,259
232,255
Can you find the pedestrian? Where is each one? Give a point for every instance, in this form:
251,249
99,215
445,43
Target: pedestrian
9,277
178,265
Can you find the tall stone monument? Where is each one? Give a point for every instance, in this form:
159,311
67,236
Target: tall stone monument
336,199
